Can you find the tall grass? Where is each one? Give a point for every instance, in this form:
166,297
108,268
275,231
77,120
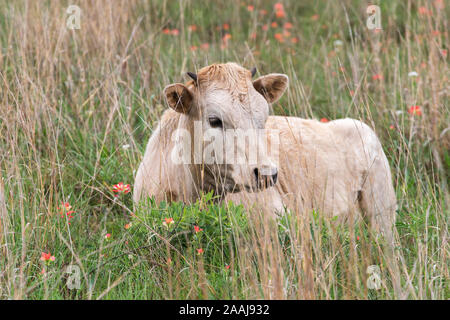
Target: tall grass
77,108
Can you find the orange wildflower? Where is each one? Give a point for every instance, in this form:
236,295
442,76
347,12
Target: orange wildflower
279,37
168,222
278,6
280,14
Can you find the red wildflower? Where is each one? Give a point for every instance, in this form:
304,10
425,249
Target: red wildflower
192,27
435,32
197,229
324,120
66,211
66,205
226,37
377,77
226,26
288,25
250,8
424,11
47,257
274,24
415,111
279,10
199,251
107,236
166,31
120,187
204,46
315,17
175,32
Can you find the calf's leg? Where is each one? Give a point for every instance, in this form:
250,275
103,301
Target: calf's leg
378,201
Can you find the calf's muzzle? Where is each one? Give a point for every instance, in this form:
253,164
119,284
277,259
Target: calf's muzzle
266,176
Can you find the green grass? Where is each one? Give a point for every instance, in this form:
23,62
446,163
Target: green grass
69,103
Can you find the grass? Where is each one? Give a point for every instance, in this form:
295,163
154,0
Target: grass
78,106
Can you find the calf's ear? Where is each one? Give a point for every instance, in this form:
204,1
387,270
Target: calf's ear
271,86
179,97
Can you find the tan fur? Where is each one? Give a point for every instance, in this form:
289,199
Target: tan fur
336,168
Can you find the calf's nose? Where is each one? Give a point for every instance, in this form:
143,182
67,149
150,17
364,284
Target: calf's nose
266,176
274,177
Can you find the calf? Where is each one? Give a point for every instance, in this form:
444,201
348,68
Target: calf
336,168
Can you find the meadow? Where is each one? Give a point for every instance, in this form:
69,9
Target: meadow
77,107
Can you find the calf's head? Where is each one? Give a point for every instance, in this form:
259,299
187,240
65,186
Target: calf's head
226,112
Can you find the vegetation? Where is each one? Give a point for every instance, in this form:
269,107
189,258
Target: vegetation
78,106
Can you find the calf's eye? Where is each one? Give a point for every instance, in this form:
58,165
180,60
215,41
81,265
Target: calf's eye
215,122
